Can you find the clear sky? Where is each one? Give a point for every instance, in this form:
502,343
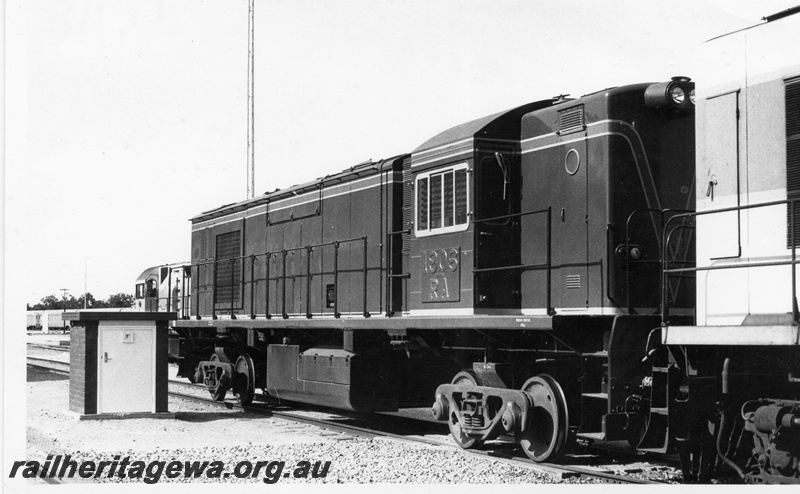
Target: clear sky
125,118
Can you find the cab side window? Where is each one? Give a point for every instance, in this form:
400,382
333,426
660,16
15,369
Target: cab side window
442,199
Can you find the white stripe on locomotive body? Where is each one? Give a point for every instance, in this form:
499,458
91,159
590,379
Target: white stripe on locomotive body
223,316
464,147
440,152
301,199
456,156
745,72
604,128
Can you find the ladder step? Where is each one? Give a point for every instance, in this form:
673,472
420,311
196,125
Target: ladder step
593,436
599,396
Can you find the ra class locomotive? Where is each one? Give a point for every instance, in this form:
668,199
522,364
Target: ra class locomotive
506,260
618,267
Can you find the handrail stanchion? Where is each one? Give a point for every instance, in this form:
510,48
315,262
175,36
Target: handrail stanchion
283,286
366,312
309,249
664,278
233,270
628,266
214,290
169,291
389,271
197,288
795,315
266,279
550,310
336,313
662,257
253,286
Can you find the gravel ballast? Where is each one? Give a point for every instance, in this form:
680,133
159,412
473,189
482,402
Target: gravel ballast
206,433
352,461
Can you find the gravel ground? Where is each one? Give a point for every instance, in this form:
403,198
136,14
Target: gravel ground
352,461
206,433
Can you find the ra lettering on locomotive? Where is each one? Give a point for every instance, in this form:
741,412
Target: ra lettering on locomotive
441,269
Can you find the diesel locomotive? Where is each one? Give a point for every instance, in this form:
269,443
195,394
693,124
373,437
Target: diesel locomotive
618,267
733,393
509,267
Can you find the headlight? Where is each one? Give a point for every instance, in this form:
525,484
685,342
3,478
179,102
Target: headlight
677,95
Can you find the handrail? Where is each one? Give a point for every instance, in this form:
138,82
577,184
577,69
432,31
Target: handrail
661,252
184,301
628,303
253,281
666,237
548,264
512,215
390,269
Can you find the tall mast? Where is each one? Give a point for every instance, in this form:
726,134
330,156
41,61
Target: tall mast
250,103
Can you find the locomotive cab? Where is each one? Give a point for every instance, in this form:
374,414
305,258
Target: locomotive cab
577,214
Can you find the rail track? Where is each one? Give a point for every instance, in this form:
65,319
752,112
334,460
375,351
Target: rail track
390,426
55,366
55,348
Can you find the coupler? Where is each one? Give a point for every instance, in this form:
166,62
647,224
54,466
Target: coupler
775,425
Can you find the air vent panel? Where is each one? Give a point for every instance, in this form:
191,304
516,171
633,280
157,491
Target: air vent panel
571,120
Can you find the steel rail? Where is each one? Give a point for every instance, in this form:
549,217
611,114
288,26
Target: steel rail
49,347
48,364
559,471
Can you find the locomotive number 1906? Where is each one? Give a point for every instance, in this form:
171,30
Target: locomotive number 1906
441,275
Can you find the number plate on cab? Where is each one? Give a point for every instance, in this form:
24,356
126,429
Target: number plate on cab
441,275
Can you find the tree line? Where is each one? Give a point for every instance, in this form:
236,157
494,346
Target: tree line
50,302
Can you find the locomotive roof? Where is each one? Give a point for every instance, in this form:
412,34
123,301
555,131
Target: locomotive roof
148,271
499,124
360,170
145,274
504,124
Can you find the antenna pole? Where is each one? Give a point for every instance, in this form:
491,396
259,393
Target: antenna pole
250,102
85,282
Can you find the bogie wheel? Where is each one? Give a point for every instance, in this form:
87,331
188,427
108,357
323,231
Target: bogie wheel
244,381
218,393
466,442
547,430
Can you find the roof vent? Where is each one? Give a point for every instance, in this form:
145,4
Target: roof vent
571,120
